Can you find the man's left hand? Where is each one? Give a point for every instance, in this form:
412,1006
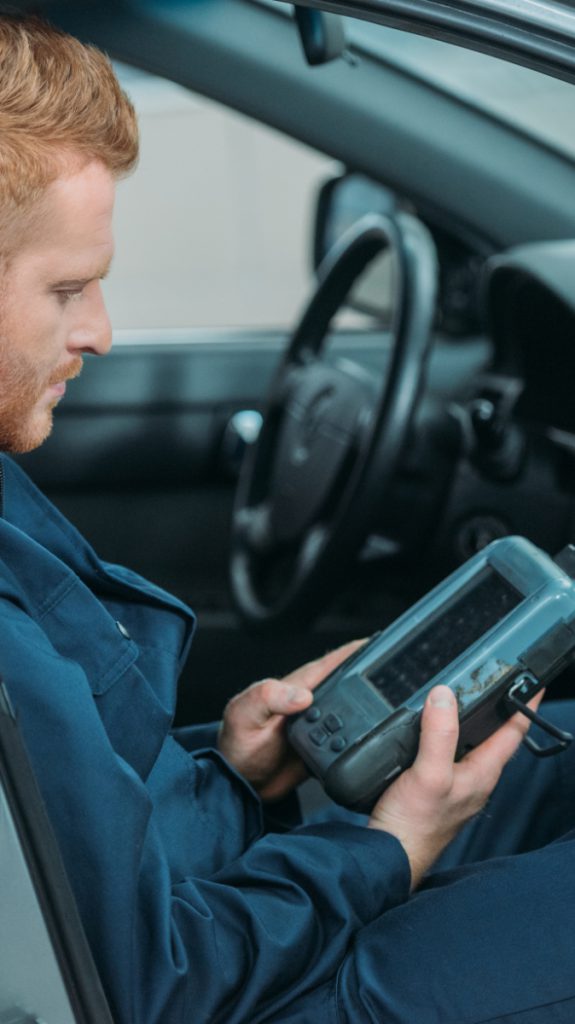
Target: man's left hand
252,735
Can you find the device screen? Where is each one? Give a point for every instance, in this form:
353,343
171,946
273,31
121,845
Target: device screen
457,625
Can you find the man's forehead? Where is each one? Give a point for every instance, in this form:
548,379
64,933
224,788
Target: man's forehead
88,184
65,263
70,232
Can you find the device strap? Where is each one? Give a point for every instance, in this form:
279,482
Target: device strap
562,737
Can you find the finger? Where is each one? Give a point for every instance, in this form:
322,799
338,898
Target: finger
438,738
254,708
314,672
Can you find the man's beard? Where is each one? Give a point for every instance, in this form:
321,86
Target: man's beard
26,421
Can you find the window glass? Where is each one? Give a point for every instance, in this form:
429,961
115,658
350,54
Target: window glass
537,104
214,227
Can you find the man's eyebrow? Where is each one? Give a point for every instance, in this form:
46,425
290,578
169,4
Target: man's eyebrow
78,282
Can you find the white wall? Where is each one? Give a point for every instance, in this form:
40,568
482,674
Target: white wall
214,228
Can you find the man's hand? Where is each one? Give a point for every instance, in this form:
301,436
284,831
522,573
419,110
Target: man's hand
427,805
252,735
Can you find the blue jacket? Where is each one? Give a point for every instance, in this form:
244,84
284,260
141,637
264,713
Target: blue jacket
193,911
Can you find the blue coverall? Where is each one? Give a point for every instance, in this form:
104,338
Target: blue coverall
193,911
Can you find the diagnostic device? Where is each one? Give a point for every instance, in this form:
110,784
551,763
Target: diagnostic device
495,631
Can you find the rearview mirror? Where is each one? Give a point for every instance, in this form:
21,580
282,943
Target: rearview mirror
322,35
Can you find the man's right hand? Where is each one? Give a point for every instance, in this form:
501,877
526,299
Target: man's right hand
428,804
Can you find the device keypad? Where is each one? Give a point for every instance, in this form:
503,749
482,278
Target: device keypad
324,730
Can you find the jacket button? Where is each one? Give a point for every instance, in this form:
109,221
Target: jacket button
122,629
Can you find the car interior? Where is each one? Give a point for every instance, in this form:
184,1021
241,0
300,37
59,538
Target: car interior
427,370
476,423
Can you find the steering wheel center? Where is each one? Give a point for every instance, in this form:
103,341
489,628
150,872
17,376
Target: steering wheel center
317,433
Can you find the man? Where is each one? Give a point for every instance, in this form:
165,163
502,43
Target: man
196,911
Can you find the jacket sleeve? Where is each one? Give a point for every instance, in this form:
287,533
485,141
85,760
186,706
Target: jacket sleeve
227,945
197,737
277,816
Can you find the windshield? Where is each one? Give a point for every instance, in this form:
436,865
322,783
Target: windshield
535,103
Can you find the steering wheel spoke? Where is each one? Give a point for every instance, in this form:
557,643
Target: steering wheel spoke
252,525
311,549
286,385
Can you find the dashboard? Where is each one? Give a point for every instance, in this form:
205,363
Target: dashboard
514,471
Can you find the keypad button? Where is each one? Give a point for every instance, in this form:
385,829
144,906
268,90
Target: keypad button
338,743
318,736
312,715
333,723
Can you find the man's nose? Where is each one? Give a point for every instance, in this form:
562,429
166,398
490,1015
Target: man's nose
92,333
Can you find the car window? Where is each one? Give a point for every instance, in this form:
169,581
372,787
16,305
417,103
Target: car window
214,228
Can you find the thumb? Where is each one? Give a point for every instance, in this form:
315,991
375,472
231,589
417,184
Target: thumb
438,738
255,706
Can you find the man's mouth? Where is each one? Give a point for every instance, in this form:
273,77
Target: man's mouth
57,383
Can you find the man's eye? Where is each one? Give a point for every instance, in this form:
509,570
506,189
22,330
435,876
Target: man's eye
69,295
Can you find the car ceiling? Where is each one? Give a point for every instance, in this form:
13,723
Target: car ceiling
248,56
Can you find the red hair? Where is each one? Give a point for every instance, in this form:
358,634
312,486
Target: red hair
60,104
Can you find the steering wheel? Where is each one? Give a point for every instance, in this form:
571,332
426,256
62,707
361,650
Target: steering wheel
312,485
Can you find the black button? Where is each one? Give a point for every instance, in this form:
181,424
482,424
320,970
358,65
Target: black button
312,714
318,736
333,723
339,743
